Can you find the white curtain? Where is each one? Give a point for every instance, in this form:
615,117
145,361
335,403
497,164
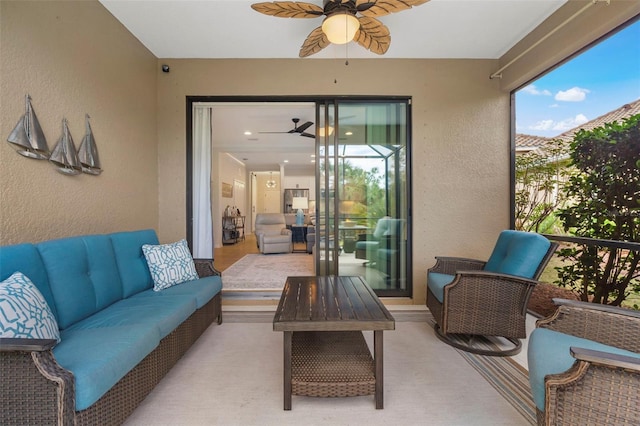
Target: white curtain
202,223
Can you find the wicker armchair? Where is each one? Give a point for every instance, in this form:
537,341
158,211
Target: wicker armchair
470,298
584,365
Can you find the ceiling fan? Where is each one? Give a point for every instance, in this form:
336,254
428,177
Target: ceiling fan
298,129
346,20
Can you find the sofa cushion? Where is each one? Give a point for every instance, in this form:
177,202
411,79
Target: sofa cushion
548,353
83,276
23,311
169,264
203,289
518,253
436,282
26,259
99,357
164,313
132,265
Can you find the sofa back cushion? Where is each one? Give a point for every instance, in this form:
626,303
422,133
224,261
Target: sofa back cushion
132,265
83,276
518,253
25,258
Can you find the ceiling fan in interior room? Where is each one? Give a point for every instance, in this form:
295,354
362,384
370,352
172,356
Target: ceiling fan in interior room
298,129
346,20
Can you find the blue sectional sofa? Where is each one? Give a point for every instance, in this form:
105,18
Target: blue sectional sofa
118,337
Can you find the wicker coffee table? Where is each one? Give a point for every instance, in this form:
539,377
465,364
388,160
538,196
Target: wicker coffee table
325,353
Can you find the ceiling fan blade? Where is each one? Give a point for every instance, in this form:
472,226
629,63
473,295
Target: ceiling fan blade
373,8
288,9
373,35
308,135
303,127
315,42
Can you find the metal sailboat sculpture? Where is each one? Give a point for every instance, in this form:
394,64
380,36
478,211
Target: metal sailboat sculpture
27,137
88,152
64,156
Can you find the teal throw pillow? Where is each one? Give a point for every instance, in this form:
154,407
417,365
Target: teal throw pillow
23,311
170,264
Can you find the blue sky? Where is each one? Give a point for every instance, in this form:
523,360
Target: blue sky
599,80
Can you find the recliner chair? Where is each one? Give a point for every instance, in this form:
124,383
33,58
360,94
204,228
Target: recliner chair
272,235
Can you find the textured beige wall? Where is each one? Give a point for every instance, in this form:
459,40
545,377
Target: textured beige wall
460,138
75,58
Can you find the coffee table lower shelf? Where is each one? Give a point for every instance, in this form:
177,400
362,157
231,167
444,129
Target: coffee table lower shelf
331,364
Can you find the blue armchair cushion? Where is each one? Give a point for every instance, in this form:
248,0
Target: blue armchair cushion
548,353
518,253
436,282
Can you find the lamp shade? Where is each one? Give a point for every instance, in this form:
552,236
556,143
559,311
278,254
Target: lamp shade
340,27
300,203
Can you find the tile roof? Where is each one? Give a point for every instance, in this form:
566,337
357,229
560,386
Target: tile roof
529,142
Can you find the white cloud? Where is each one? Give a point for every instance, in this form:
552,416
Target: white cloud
533,90
570,123
575,94
542,125
560,126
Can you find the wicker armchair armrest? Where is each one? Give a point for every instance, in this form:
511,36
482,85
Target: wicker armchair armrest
610,325
605,358
509,289
205,268
451,265
12,344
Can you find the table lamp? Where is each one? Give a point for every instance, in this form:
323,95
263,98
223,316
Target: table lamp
300,203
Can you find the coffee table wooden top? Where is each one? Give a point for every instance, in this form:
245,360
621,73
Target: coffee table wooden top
330,303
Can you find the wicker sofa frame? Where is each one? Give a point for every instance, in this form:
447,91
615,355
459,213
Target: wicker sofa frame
37,390
481,303
600,388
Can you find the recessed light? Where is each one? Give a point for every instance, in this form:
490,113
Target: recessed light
313,156
348,133
313,161
247,133
286,161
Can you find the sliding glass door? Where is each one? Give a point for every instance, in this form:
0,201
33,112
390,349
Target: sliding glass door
363,203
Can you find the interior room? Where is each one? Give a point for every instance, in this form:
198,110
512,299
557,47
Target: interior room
121,342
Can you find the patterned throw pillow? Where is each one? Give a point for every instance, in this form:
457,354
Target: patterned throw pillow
23,311
170,264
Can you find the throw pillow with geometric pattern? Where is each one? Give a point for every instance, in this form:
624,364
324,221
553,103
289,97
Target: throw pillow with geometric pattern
170,264
23,311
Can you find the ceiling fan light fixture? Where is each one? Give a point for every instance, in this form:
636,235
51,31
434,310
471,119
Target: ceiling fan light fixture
340,27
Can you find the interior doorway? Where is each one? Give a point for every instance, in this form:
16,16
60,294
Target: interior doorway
323,145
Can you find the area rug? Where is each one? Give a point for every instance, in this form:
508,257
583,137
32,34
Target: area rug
265,271
506,376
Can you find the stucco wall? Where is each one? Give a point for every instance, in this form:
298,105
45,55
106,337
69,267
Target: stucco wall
460,138
75,58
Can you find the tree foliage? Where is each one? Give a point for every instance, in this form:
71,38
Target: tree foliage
604,203
539,174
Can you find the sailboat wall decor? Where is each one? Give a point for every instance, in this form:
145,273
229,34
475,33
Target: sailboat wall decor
64,156
27,137
88,152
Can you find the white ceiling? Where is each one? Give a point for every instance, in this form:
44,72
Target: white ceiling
478,29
